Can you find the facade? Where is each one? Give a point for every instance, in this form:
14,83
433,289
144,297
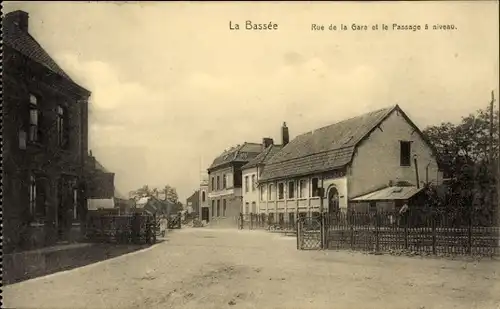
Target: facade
204,209
45,143
225,181
252,171
324,170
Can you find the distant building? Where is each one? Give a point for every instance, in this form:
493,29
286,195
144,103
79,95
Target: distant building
193,203
225,181
204,207
45,143
346,164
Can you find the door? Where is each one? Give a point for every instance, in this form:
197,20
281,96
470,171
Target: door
333,200
205,214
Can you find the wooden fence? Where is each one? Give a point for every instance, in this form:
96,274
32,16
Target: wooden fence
415,231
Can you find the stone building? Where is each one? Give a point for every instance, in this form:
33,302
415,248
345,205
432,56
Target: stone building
45,143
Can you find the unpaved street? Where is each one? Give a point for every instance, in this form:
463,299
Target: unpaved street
206,268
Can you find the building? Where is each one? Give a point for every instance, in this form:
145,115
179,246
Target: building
193,203
204,211
225,181
333,165
253,170
45,143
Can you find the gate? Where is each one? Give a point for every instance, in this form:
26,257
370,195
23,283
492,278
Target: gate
310,233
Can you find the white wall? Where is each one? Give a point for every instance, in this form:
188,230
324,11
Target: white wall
252,196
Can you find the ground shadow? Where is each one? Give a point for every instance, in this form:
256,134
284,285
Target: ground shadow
52,262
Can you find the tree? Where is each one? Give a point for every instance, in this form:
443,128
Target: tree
169,192
463,154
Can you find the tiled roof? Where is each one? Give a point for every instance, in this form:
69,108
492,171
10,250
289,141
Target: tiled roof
323,149
263,157
24,43
241,153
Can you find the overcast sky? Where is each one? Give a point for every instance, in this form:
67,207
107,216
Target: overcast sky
172,86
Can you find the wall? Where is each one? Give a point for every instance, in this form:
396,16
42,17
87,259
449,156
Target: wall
250,196
305,203
230,194
377,160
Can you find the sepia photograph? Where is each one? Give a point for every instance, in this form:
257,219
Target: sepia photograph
274,155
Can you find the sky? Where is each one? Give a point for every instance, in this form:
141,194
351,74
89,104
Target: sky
172,86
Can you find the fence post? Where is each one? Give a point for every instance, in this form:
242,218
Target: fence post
377,243
469,234
324,245
298,234
407,221
433,226
351,224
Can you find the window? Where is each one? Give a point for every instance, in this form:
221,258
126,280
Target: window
270,193
37,199
213,208
218,208
281,218
291,190
246,183
35,115
213,184
281,191
218,182
405,153
254,207
263,193
253,183
270,218
224,207
224,181
76,213
291,217
303,188
62,127
315,187
247,210
32,195
203,197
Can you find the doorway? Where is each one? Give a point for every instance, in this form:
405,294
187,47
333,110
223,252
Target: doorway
333,200
205,214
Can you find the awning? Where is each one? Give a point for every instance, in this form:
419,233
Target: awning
389,193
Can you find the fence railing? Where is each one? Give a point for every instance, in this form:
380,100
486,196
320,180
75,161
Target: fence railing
121,228
267,222
415,230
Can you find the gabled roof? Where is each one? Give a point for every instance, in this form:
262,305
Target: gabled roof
263,157
327,148
241,153
25,44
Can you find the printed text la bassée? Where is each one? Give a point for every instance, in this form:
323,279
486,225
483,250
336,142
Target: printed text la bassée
249,25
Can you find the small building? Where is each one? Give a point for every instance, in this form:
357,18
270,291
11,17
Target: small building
334,165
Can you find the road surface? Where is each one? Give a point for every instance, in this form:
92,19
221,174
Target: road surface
210,268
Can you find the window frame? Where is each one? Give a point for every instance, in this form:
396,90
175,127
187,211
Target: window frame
270,188
402,156
281,191
63,135
315,191
305,193
291,191
34,134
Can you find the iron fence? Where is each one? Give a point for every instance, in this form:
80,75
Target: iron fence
130,228
417,230
267,222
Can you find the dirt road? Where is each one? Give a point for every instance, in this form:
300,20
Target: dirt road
210,268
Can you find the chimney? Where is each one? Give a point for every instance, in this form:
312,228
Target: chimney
20,18
266,142
285,136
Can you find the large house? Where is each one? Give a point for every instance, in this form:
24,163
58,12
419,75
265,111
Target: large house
45,143
337,166
225,180
253,170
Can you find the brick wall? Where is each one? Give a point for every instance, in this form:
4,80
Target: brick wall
21,77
